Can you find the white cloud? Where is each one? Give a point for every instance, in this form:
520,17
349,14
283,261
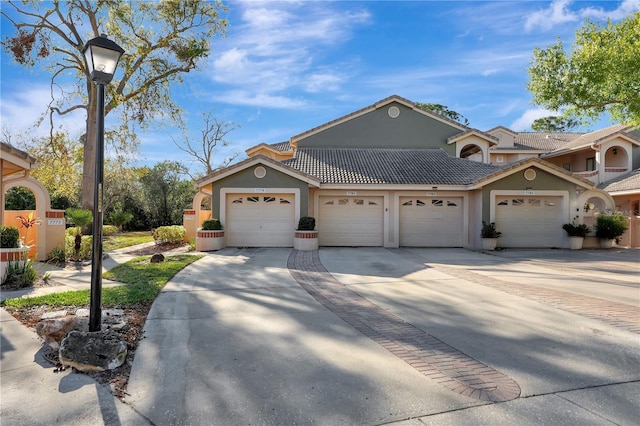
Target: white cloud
264,100
277,47
525,120
559,12
23,106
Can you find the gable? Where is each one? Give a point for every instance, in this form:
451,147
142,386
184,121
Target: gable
392,125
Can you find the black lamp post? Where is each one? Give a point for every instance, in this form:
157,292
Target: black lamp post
102,56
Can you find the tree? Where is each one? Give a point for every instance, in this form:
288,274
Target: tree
119,217
162,41
211,136
19,198
80,218
553,124
444,111
598,75
166,192
60,169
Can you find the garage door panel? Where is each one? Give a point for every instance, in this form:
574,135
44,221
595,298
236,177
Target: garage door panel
266,220
351,221
431,222
529,221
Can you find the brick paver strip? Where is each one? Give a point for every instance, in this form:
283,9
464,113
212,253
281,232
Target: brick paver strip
432,357
619,315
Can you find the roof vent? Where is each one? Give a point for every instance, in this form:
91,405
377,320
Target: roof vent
393,111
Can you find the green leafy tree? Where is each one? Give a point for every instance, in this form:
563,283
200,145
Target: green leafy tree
444,111
60,170
80,218
119,217
162,40
599,74
553,124
19,198
167,193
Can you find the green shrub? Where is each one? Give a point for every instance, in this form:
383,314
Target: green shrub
86,245
306,223
211,225
109,230
20,274
489,230
9,236
574,230
610,226
169,234
57,255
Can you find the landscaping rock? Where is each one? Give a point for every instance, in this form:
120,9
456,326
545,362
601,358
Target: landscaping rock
54,314
157,258
93,351
53,331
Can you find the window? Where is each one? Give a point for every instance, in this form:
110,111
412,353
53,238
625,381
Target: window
253,199
566,166
534,202
372,203
328,203
499,159
517,202
419,203
284,201
436,203
408,203
503,203
269,199
237,201
451,204
359,202
591,164
343,201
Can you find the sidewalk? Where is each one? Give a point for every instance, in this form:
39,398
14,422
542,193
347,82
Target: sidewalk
30,392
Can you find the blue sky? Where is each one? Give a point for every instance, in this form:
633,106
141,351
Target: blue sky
286,67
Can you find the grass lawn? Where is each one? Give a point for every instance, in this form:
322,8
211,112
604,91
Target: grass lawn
143,280
114,242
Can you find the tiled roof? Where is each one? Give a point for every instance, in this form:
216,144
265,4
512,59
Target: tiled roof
281,146
545,141
387,166
626,182
593,137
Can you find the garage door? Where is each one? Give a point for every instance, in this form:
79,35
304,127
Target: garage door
265,220
351,221
431,222
529,221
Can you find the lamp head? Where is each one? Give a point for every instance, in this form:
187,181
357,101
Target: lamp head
102,56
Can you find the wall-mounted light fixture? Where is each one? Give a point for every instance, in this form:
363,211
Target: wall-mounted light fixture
615,151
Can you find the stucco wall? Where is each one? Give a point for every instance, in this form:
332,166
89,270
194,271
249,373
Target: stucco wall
411,129
247,179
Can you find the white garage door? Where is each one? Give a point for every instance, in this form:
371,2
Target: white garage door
431,222
265,220
351,221
529,221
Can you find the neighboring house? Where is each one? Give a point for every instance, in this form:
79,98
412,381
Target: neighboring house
394,175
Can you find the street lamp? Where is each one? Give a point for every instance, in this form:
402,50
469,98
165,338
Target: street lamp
102,56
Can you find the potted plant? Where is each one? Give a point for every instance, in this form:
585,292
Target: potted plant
10,249
489,235
576,233
210,236
306,237
609,227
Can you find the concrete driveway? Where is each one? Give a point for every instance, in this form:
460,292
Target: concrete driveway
376,336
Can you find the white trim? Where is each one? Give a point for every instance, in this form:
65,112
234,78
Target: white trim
225,191
533,163
250,162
